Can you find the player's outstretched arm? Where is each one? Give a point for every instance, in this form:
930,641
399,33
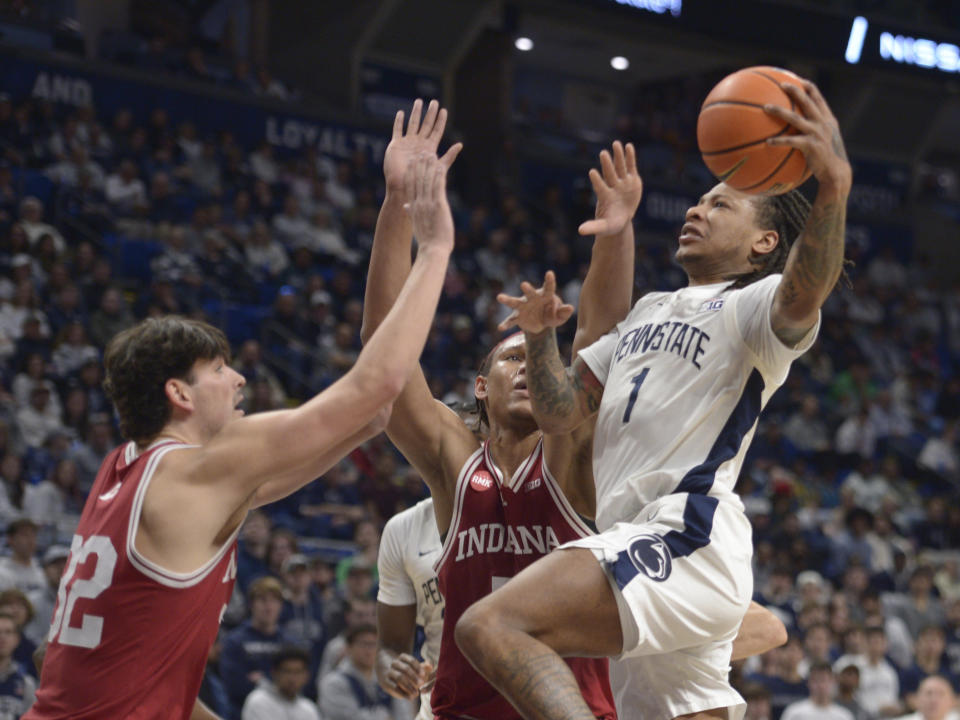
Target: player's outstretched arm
422,428
562,398
816,259
760,631
247,452
608,288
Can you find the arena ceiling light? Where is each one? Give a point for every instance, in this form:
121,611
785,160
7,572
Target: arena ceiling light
524,44
619,62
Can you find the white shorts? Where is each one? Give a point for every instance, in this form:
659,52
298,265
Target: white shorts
682,579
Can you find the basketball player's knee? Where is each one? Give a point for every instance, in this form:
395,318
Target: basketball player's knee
479,624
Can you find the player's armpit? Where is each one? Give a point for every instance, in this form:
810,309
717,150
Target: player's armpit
760,631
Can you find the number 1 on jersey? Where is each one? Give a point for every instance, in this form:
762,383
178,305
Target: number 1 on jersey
637,381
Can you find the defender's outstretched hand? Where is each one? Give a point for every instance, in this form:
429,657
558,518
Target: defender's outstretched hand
818,133
425,186
419,138
618,190
538,309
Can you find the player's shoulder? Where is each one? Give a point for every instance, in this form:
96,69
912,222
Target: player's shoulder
405,520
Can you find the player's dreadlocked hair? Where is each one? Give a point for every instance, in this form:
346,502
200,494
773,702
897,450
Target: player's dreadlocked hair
787,214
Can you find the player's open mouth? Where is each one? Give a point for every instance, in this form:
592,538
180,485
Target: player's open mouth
689,232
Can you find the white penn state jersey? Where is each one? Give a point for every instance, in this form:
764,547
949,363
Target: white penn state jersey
409,546
685,377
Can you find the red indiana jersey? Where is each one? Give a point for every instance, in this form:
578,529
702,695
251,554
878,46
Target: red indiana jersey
499,527
129,640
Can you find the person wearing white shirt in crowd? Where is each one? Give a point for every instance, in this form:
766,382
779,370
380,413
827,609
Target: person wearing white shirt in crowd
857,435
879,683
281,698
935,701
820,705
20,569
44,600
289,225
939,453
125,192
40,418
31,220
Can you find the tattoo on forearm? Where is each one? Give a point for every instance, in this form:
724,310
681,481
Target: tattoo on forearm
542,686
551,392
816,259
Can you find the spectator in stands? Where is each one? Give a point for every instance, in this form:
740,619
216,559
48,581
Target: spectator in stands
39,418
929,659
920,608
248,650
17,685
351,690
820,705
45,599
110,318
252,550
72,350
125,191
303,615
31,220
757,698
281,697
14,602
935,701
282,544
848,685
358,612
806,430
20,569
818,647
266,257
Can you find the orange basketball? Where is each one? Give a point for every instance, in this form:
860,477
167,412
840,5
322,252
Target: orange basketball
732,131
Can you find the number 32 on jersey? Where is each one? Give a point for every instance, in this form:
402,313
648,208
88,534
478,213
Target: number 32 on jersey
87,634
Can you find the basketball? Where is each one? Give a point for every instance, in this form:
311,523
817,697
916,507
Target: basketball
733,128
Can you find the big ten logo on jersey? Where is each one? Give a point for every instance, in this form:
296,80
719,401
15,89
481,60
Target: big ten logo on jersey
431,591
481,480
711,304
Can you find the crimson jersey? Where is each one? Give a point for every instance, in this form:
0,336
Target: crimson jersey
129,640
499,527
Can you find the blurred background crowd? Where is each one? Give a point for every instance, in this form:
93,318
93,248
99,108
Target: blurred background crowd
107,217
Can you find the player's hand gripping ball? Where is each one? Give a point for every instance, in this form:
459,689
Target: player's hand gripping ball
733,128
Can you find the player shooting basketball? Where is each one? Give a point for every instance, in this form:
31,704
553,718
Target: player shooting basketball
675,392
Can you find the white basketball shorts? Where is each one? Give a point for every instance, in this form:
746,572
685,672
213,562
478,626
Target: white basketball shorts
682,579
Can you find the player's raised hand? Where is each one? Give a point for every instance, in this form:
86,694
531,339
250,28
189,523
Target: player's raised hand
618,189
425,187
538,309
406,676
818,133
419,137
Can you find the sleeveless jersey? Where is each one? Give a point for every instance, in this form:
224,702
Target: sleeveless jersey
685,377
409,546
499,527
129,639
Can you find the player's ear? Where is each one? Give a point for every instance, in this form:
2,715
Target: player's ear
766,242
480,388
178,393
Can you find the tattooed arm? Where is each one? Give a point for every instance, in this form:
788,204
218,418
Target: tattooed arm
816,259
562,398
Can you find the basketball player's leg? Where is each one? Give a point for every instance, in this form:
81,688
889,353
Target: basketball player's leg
562,605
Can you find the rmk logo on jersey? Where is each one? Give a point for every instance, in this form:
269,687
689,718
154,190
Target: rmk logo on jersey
481,480
650,555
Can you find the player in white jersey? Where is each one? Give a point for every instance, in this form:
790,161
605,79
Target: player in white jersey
409,596
679,386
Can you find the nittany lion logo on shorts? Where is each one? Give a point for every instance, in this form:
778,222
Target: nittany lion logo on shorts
651,556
